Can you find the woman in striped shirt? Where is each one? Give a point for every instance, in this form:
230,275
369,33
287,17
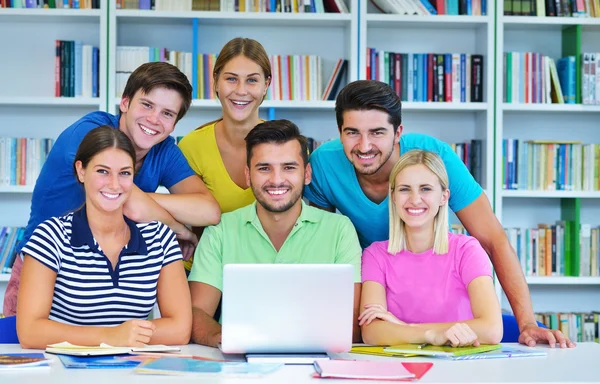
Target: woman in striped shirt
93,276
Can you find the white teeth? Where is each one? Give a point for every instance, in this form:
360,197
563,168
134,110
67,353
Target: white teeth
110,195
148,131
240,102
277,191
416,210
366,157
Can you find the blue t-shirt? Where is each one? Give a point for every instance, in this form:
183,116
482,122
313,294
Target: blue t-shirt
57,191
335,185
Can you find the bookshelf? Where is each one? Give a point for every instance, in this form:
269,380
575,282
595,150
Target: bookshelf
555,37
206,32
28,107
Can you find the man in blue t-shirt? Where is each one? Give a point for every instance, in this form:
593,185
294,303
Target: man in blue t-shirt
351,174
156,97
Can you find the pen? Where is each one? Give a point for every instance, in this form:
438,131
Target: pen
421,346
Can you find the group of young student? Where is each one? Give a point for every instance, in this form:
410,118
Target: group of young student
101,248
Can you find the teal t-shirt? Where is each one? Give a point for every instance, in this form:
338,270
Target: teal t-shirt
335,185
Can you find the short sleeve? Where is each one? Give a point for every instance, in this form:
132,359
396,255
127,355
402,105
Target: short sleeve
473,261
169,244
208,258
43,245
463,188
188,147
314,191
175,166
349,250
372,270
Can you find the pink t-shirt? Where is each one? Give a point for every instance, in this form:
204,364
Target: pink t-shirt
424,287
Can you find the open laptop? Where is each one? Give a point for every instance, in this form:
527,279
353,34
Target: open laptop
287,308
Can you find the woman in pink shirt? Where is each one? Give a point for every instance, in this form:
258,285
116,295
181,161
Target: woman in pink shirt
426,285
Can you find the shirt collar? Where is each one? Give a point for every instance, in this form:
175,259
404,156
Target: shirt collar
81,234
308,214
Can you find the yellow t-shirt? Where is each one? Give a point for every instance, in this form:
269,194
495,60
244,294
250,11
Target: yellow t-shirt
200,149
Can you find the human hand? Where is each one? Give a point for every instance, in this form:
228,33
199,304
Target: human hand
531,334
376,311
187,242
132,333
458,335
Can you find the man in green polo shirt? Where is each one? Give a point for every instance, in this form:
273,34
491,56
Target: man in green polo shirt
277,228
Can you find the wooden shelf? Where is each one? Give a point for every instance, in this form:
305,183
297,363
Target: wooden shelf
442,21
50,101
16,188
550,107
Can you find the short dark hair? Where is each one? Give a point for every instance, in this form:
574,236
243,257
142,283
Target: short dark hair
364,95
160,75
99,139
276,132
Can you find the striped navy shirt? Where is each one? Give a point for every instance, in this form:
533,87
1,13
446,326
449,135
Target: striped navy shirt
87,290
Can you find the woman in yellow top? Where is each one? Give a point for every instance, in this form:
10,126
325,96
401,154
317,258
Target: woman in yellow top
216,151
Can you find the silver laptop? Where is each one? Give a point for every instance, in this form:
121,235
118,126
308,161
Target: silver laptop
287,308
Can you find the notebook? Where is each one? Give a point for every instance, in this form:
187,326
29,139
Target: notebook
10,361
440,351
416,370
65,348
362,369
177,366
95,362
375,351
504,352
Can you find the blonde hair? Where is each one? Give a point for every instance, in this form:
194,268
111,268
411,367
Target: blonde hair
397,237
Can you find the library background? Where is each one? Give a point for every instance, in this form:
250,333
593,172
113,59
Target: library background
513,86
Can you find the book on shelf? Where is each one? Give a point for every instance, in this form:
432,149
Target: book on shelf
66,348
590,78
293,77
471,154
440,351
337,78
578,327
429,77
543,8
550,165
10,237
557,250
433,7
21,159
75,4
18,361
280,6
177,366
76,69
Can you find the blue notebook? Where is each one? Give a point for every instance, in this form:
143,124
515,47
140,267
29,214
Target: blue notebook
102,362
182,366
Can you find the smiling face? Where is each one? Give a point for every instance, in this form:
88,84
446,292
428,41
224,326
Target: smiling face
241,87
369,140
149,118
277,175
107,179
418,196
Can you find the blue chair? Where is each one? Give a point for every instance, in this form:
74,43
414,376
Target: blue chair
8,330
511,329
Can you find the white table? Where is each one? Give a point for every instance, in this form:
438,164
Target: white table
580,365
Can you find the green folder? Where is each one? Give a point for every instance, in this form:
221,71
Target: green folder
440,351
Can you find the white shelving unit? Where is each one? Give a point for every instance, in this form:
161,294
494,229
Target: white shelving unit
525,209
283,34
28,107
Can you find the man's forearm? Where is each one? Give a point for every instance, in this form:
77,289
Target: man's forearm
194,209
507,267
205,330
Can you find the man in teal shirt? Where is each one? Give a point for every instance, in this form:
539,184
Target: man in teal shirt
277,228
352,175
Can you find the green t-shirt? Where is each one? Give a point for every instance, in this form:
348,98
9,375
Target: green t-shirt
318,237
